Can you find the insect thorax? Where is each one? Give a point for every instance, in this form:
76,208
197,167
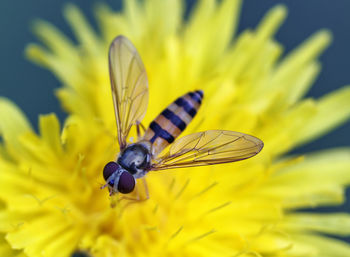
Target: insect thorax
136,159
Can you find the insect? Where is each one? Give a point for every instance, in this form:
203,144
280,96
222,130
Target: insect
130,98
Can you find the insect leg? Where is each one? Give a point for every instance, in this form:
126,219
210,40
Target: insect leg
138,196
138,131
146,197
143,127
131,200
145,187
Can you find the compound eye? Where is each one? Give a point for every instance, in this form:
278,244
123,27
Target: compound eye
109,169
126,183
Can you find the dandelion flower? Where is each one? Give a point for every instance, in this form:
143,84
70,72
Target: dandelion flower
51,203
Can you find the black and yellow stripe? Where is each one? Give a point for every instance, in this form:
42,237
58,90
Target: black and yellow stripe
160,133
173,120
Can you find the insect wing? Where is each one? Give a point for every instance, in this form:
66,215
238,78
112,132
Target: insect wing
129,86
207,148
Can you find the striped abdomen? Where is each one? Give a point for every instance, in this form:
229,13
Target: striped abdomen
173,120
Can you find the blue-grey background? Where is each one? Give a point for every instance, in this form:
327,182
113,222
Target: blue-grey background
32,87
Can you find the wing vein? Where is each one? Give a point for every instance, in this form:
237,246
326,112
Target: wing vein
207,148
128,79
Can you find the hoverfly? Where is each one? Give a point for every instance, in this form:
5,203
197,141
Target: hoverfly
130,98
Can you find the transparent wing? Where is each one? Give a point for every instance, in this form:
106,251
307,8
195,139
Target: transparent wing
129,86
208,148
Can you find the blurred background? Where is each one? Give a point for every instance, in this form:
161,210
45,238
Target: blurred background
31,87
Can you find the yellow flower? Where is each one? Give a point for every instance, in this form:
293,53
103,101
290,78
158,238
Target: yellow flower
50,201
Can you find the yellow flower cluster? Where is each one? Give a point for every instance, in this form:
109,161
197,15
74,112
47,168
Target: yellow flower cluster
50,198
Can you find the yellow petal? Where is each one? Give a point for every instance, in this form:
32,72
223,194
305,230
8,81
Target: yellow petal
324,174
50,132
332,110
295,62
325,247
13,124
55,40
336,224
84,33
